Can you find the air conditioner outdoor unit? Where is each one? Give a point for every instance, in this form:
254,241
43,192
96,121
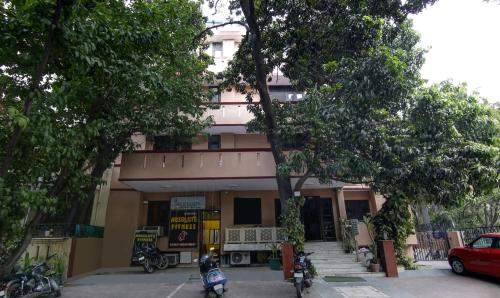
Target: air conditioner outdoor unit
240,258
173,260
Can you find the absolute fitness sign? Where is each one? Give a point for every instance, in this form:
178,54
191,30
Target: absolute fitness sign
183,228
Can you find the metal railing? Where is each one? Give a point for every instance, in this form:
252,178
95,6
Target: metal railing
348,237
254,235
472,233
66,230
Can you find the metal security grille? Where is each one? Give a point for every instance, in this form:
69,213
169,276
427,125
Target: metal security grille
432,246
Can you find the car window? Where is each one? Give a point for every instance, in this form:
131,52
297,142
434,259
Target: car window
497,243
483,242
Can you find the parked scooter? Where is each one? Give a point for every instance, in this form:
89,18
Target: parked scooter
302,277
34,282
212,278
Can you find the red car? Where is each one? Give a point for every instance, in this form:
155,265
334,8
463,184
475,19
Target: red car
481,256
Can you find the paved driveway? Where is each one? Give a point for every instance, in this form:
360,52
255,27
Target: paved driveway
263,283
181,283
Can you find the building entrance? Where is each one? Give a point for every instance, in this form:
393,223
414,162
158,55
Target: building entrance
211,232
318,221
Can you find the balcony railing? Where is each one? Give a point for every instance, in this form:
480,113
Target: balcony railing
230,113
237,235
150,165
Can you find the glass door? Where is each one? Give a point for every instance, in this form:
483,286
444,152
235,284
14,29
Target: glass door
211,232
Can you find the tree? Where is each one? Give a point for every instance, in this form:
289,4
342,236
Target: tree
116,68
300,38
366,118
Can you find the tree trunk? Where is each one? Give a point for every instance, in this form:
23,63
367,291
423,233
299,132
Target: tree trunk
11,259
35,85
283,180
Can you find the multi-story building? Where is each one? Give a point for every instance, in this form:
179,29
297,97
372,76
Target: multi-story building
225,179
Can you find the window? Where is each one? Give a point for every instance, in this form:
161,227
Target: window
497,245
172,143
285,93
217,49
356,209
247,211
299,141
483,242
159,214
215,94
214,142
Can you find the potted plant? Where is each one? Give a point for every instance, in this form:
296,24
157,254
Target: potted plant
274,261
374,262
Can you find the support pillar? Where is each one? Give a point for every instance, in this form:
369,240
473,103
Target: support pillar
388,257
341,203
287,259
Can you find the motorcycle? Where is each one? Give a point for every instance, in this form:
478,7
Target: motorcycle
151,257
302,277
36,281
212,278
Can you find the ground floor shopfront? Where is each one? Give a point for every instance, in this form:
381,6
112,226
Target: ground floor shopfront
193,222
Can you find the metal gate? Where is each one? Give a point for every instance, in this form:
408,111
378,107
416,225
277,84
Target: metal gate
432,246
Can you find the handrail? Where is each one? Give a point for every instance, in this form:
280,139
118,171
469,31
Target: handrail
240,235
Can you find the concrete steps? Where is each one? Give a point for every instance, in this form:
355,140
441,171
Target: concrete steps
329,259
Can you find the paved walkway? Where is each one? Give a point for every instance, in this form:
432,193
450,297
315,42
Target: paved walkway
262,283
425,283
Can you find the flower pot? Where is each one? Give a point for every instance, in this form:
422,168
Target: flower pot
274,264
374,267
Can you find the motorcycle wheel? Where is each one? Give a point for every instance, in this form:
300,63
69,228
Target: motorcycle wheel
298,289
14,291
56,290
148,268
163,262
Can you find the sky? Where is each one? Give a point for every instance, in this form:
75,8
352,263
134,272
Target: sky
463,39
463,42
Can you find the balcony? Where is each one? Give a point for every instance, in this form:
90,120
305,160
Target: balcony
230,113
252,238
204,170
150,165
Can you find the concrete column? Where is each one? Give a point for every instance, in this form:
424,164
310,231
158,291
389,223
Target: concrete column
341,203
455,239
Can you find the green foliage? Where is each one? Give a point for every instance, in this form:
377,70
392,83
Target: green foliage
116,68
367,118
275,248
294,228
348,240
372,232
394,222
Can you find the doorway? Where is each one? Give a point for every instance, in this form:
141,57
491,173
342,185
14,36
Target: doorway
318,221
211,233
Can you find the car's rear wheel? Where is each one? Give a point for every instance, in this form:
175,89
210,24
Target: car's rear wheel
457,266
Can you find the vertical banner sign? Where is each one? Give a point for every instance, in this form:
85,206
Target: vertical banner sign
143,239
183,228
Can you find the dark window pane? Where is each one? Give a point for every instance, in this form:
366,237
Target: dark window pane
285,93
217,49
214,142
171,143
247,211
159,214
297,142
356,209
215,94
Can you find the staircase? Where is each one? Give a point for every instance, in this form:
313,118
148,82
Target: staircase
329,259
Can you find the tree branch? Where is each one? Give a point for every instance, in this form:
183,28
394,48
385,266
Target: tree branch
199,35
35,84
302,180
